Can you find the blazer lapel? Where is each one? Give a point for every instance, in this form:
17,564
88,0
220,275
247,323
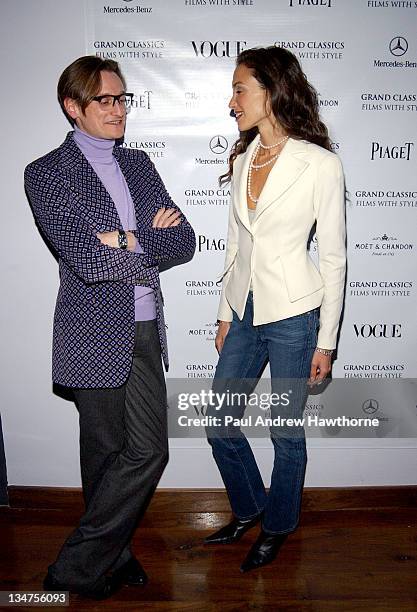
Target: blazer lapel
286,171
240,178
92,200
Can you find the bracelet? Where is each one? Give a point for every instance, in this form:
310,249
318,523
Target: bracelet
327,352
122,238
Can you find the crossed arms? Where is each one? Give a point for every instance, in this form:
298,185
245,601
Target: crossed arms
94,256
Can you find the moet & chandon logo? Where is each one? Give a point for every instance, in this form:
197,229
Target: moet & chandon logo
384,245
208,332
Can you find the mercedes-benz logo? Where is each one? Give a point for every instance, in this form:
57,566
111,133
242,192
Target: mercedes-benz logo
218,145
370,406
398,46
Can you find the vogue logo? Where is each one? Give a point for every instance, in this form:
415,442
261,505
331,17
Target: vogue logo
380,151
220,48
378,330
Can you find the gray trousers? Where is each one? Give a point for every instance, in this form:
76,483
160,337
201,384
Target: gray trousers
123,452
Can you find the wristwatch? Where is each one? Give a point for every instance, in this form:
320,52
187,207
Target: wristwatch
122,240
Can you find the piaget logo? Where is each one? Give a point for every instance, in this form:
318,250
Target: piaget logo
384,151
326,3
208,243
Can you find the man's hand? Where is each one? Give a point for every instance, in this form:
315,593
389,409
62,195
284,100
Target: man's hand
321,366
222,332
166,217
111,239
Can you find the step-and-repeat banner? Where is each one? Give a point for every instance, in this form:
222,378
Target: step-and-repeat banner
178,57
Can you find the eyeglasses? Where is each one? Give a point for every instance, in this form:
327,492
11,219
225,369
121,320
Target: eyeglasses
107,101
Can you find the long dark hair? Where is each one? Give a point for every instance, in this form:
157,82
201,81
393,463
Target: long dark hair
294,101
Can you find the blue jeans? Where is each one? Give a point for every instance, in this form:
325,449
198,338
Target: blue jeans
288,345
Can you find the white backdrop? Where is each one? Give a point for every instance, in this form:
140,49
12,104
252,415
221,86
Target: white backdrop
178,57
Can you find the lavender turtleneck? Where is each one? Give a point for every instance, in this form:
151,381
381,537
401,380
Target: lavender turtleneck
99,153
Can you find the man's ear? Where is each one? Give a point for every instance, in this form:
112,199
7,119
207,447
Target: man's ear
72,108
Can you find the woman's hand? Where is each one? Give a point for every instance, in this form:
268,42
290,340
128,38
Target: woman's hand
222,332
111,239
321,366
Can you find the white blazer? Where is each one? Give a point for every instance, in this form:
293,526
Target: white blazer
305,185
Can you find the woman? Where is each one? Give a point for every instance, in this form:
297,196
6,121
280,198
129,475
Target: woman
275,305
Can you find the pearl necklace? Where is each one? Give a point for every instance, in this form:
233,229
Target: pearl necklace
253,166
274,145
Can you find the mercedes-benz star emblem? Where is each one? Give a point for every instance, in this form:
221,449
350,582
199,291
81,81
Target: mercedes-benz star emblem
218,145
370,406
398,46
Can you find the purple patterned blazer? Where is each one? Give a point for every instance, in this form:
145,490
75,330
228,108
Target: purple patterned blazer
94,323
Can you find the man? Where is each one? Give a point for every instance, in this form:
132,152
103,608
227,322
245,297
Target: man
108,216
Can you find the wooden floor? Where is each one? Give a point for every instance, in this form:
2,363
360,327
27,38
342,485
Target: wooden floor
355,550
